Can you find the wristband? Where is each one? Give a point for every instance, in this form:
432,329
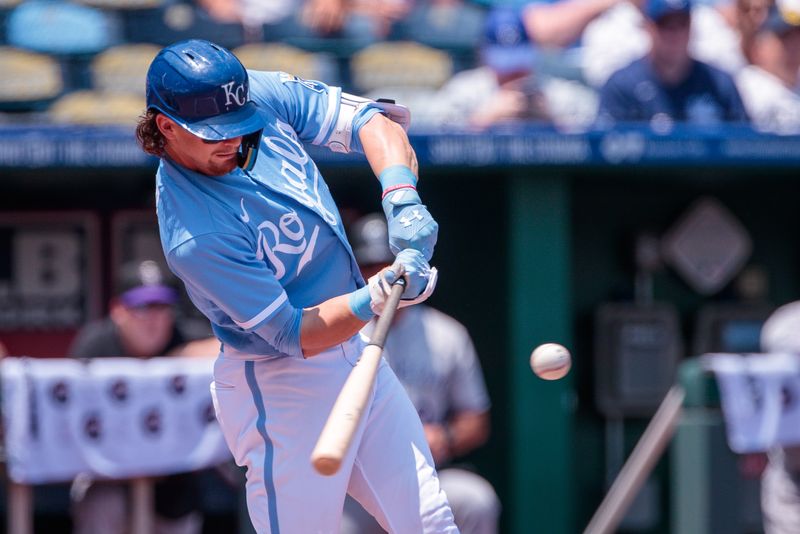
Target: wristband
360,304
397,177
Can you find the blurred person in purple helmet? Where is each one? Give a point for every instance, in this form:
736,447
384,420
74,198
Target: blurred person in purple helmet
248,223
780,482
141,324
668,85
141,318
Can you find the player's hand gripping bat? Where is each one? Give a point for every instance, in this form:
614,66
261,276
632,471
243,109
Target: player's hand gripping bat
337,434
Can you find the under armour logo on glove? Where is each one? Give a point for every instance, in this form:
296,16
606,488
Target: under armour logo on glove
410,224
406,221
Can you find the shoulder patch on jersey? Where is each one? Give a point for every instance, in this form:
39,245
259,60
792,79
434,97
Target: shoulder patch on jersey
286,77
310,84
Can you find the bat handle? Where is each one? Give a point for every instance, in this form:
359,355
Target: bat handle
383,323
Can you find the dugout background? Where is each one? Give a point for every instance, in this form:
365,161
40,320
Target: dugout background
526,254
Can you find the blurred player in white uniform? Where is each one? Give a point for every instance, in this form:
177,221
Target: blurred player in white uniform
434,358
248,224
780,483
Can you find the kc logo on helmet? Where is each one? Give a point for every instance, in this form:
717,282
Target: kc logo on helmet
238,94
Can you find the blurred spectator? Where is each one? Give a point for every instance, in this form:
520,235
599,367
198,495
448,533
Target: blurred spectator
770,87
362,20
3,350
141,321
620,35
506,88
668,85
434,358
329,16
141,324
562,23
492,93
747,17
250,12
780,483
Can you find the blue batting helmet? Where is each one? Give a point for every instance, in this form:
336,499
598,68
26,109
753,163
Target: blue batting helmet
204,88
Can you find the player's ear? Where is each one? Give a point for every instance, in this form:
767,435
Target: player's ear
166,126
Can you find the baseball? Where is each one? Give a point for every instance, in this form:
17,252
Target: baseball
550,361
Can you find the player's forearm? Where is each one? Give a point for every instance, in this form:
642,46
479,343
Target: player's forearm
328,324
411,226
561,24
386,144
468,431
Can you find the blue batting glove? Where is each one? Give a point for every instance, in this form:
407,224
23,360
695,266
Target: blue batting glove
420,279
410,223
414,268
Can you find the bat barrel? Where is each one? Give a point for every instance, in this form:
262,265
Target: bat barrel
337,434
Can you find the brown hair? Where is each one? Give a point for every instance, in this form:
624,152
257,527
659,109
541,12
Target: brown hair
149,136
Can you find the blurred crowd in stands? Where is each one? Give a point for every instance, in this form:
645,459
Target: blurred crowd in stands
572,64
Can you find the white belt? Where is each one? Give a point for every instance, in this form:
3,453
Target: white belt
351,348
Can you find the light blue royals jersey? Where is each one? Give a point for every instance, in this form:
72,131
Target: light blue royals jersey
255,248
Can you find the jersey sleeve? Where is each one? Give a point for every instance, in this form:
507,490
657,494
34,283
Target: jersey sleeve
224,269
468,388
312,108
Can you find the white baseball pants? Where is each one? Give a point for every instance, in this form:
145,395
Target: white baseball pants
271,413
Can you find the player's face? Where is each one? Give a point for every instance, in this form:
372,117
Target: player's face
212,158
145,330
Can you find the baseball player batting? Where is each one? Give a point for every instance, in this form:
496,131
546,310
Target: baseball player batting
249,225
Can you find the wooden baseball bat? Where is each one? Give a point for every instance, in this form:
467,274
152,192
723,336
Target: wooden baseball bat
337,435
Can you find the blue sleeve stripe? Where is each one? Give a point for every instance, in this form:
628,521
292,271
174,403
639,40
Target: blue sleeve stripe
334,95
263,314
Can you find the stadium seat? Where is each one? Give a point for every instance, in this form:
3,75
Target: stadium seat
456,27
281,57
123,68
97,107
61,28
400,64
5,9
176,22
29,80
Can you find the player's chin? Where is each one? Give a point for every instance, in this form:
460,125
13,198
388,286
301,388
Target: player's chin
219,166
